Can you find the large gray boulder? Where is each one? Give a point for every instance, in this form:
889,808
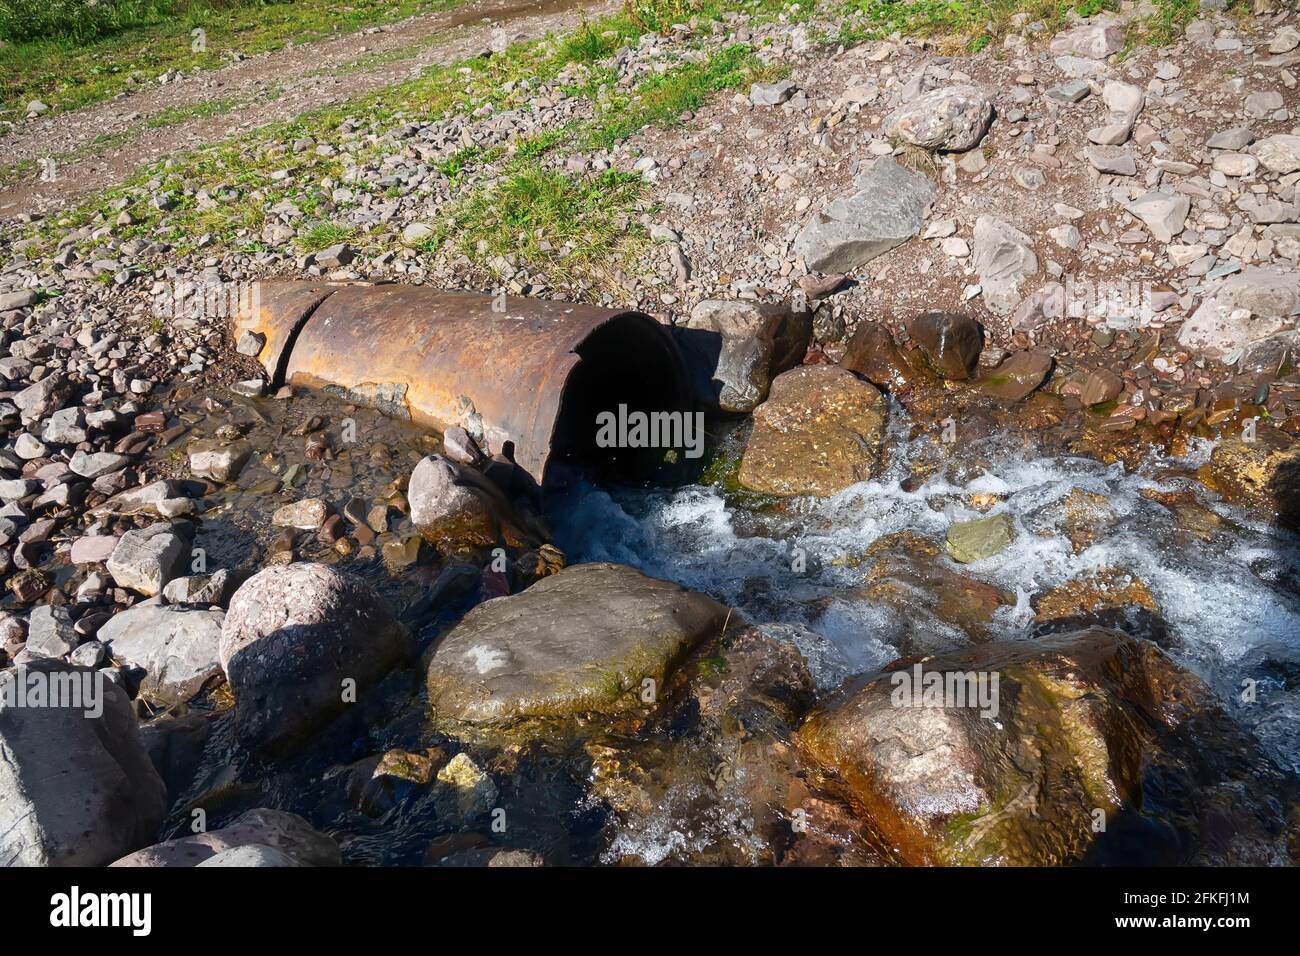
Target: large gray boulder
1246,308
293,636
177,647
887,209
735,348
76,786
286,835
953,118
591,639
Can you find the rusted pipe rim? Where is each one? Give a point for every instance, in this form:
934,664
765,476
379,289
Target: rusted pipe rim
531,376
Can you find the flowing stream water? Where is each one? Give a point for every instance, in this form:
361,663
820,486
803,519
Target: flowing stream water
1223,586
1226,584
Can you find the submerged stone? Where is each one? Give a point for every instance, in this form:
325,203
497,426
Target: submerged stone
1263,473
1017,376
1013,753
981,538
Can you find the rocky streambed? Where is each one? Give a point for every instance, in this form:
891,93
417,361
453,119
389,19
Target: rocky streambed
245,625
328,637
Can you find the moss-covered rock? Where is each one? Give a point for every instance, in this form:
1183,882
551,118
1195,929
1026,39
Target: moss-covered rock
981,538
1263,473
590,640
1100,745
820,431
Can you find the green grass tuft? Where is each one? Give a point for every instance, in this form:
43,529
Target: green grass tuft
551,221
662,99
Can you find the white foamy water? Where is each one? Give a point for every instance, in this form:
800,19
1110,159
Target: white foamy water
1228,621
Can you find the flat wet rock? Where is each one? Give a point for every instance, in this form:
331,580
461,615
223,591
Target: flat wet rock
1017,376
970,541
583,641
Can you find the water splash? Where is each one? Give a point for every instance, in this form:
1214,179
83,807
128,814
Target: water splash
1225,590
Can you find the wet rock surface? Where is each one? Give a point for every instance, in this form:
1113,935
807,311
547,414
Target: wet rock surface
950,343
1263,472
1092,717
819,432
593,639
457,510
296,641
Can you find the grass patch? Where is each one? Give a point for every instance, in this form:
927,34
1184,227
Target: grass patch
958,25
67,62
14,172
323,235
175,115
240,172
554,222
969,26
79,21
1172,17
662,99
458,162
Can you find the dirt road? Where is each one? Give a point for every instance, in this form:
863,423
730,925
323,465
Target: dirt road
98,146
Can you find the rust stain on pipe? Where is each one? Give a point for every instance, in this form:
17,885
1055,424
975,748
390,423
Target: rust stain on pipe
532,376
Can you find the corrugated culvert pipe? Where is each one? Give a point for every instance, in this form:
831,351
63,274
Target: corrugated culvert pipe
530,380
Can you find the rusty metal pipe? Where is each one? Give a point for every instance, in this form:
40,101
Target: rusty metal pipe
532,376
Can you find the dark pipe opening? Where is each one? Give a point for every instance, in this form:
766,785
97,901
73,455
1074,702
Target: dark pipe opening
629,367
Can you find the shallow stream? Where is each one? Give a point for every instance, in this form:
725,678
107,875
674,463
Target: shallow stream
1222,589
